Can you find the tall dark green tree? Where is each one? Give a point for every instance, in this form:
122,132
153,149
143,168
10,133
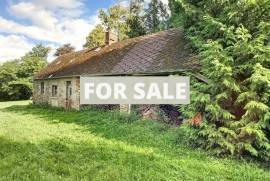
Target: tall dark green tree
232,38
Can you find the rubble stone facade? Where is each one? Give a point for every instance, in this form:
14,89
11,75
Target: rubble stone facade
63,96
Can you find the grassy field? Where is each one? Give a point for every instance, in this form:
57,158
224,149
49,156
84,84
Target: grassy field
50,144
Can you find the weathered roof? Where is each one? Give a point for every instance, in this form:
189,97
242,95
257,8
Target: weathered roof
165,51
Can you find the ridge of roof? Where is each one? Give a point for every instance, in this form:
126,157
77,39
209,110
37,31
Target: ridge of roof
127,50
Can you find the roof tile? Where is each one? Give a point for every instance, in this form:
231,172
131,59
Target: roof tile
159,52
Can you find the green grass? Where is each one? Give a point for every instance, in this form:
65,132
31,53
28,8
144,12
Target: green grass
53,144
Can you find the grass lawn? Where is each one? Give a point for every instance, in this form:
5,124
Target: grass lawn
50,144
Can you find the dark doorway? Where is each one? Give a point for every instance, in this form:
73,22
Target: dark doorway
68,94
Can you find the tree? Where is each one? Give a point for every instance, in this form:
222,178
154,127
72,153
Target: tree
16,76
33,61
66,48
156,16
96,37
39,51
8,73
235,57
135,19
116,20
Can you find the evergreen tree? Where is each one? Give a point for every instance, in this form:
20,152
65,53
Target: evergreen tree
234,44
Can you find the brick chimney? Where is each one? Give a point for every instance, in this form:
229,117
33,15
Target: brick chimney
110,37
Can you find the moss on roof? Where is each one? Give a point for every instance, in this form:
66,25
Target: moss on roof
165,51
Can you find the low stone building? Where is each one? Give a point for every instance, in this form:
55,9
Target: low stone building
162,53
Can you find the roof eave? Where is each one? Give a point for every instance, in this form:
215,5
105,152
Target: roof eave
160,73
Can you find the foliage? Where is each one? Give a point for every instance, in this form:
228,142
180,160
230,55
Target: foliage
39,51
128,22
234,44
16,76
135,20
115,20
96,37
156,16
8,73
66,48
51,144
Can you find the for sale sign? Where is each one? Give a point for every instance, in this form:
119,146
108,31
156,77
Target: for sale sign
134,90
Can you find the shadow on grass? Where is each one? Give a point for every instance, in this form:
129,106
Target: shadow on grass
110,126
142,134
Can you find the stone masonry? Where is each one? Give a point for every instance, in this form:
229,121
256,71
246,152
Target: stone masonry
60,99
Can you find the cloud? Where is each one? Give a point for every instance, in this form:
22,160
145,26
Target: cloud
53,4
51,56
33,32
49,21
13,46
38,15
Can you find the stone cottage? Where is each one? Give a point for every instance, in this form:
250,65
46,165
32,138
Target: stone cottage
162,53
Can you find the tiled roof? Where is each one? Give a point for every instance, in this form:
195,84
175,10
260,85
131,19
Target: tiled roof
165,51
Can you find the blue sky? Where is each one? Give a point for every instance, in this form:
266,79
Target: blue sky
24,23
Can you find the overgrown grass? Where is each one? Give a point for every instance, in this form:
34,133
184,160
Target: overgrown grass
53,144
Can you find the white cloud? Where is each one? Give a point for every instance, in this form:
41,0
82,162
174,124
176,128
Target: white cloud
51,56
13,46
52,22
38,15
34,32
66,4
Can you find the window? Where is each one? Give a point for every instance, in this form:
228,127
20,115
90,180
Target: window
54,90
42,88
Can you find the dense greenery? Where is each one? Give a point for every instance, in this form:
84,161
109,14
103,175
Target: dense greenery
16,76
138,19
96,37
156,16
53,144
233,41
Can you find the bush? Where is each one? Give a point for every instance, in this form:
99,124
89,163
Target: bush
233,41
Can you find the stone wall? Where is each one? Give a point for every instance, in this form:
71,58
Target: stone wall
60,99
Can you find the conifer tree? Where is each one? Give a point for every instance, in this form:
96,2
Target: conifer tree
232,38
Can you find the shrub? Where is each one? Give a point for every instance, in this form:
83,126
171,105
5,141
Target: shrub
233,41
